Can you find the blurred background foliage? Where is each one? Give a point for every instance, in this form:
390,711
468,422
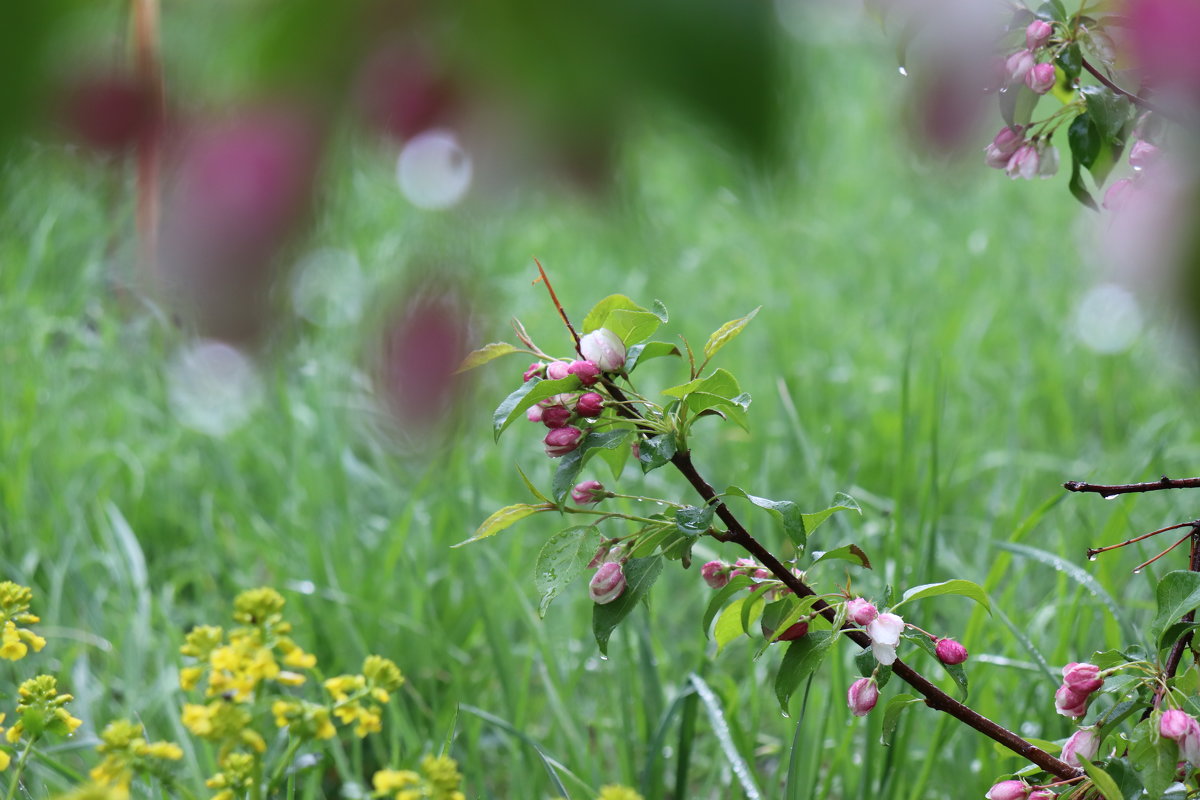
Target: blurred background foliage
920,347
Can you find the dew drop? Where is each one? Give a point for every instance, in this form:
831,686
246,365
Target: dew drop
786,715
1110,496
1137,572
1092,557
604,658
903,74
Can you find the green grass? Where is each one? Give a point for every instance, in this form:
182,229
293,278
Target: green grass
914,349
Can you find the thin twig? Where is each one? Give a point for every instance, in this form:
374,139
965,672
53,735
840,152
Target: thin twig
1095,551
554,298
1145,564
1112,490
1130,96
1176,654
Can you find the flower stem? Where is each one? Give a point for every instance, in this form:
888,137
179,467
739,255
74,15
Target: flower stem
19,769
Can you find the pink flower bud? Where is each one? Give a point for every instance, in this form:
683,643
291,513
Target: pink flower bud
950,652
561,441
1006,142
861,611
636,449
715,574
1023,163
1082,677
587,371
1009,790
794,631
588,493
743,563
608,583
1083,742
1117,194
1069,702
558,370
761,574
590,405
603,348
556,416
564,399
862,696
1041,78
1037,34
534,413
1018,65
1142,154
536,370
1043,794
1176,724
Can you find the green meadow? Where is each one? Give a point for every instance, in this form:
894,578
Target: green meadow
916,348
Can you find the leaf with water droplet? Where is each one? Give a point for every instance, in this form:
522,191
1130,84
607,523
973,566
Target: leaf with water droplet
561,560
640,575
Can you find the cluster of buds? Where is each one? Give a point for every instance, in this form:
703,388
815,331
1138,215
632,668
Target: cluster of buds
567,415
1020,157
717,574
1010,150
1079,681
609,581
1182,728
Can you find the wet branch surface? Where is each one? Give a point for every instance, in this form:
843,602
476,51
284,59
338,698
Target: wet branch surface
1113,489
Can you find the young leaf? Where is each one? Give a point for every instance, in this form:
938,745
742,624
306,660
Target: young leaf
483,355
721,383
841,502
525,396
727,333
640,575
956,586
1077,188
599,313
730,624
784,510
1103,781
644,352
622,316
1071,61
533,490
891,716
851,552
1177,593
1084,139
1109,112
499,520
694,520
802,658
656,451
734,586
561,560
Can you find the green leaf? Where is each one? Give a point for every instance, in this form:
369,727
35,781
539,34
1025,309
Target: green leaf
787,512
955,671
570,465
802,658
1175,632
629,321
851,552
1154,758
1127,779
694,520
644,352
483,355
1077,188
525,396
955,586
720,729
1102,780
721,383
640,575
705,404
561,560
730,624
1084,139
1109,112
656,451
841,502
1177,593
1070,60
659,310
532,489
891,716
783,614
727,333
734,586
499,520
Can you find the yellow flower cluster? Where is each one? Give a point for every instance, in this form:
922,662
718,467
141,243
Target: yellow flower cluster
238,664
307,720
235,777
40,707
127,752
440,781
15,640
357,698
617,792
225,722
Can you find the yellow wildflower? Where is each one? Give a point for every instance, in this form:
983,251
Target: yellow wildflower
617,792
189,677
11,646
5,760
389,780
41,708
442,773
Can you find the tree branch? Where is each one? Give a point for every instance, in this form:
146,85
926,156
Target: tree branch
1111,490
1130,96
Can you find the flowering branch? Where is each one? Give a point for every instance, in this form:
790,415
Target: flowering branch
1111,490
1130,96
935,698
